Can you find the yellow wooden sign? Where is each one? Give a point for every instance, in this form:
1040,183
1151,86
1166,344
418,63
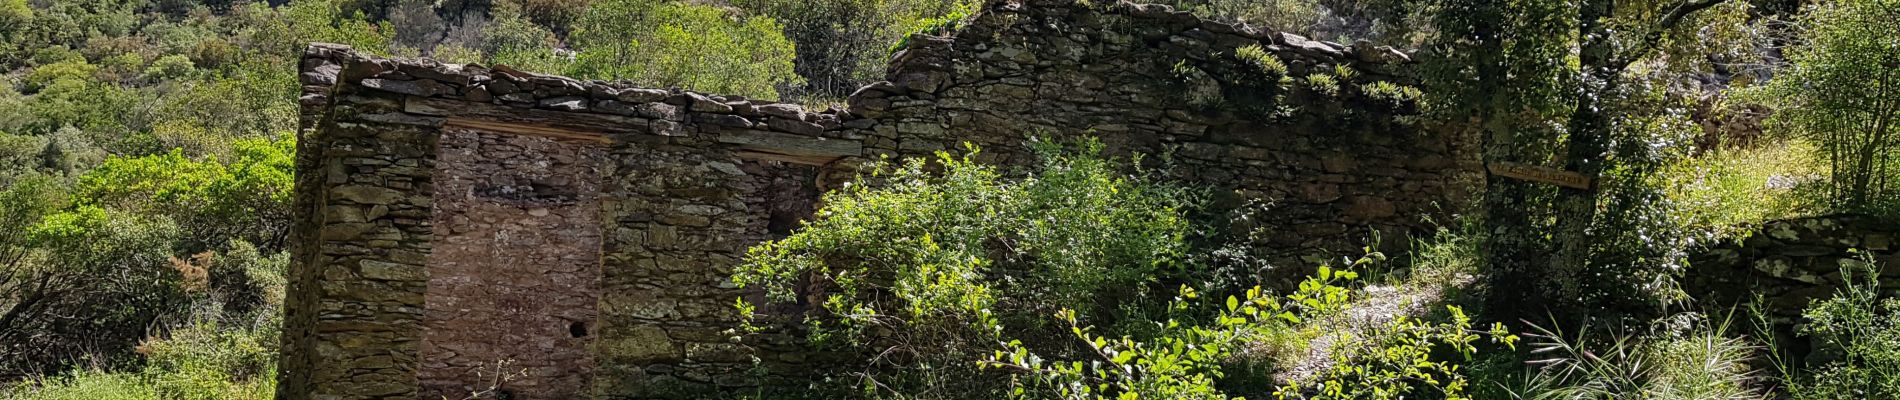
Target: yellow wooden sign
1540,174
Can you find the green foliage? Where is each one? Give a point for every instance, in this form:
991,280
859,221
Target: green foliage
1840,93
557,15
1397,361
1182,363
171,67
1187,358
89,271
85,385
844,44
46,75
1727,187
1699,363
1861,328
937,26
927,255
1260,58
682,45
1390,93
1323,84
515,41
204,360
1198,88
246,198
327,21
201,360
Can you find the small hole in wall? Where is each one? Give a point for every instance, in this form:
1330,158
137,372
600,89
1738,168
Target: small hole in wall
577,329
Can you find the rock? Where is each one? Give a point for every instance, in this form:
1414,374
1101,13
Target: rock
367,194
641,344
794,126
387,271
422,87
1365,208
640,95
1308,47
565,103
701,103
477,94
788,111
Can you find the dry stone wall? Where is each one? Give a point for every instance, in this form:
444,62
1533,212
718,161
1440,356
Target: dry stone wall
1306,134
453,218
1788,264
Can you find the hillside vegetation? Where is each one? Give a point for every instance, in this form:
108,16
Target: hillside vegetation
146,152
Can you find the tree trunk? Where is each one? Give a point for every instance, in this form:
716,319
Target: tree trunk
1590,131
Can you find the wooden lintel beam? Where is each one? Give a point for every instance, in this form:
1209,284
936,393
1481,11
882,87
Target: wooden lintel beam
801,160
525,129
791,148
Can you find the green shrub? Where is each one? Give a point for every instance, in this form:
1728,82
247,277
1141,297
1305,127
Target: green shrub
1390,93
1838,92
1190,357
677,44
85,385
926,255
1398,360
169,67
938,25
201,360
206,360
1862,328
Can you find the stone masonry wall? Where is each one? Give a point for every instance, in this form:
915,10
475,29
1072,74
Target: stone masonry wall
1331,162
452,216
514,276
1791,263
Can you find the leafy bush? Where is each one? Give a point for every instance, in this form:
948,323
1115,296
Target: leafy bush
247,198
201,360
1323,83
844,44
1835,94
927,255
1398,360
1188,358
1390,93
1862,328
691,46
938,25
88,272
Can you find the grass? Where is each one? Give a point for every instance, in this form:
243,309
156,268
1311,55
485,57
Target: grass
1728,187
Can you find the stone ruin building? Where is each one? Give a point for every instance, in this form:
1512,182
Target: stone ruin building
455,221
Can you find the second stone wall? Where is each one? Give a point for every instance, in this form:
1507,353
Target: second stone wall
1315,134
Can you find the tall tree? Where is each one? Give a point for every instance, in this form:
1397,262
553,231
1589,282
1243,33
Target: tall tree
1541,79
1843,93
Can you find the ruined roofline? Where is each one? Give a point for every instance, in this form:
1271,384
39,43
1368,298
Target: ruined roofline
507,100
924,65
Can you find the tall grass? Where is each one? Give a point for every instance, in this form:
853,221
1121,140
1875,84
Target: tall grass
1703,362
1727,187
